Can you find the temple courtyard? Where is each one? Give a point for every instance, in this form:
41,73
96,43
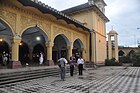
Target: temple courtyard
97,80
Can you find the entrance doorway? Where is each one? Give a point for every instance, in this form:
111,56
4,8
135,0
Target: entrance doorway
5,43
36,53
77,48
35,38
60,48
24,53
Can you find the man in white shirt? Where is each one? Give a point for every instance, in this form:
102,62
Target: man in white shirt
80,63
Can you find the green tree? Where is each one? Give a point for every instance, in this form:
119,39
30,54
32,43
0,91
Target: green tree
136,59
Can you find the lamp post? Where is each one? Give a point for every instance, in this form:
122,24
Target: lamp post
135,40
138,42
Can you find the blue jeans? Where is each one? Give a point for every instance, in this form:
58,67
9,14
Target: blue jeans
62,71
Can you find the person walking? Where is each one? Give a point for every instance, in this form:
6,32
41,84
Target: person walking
62,63
80,63
72,63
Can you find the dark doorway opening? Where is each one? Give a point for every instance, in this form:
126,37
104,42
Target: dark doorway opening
36,53
4,53
24,54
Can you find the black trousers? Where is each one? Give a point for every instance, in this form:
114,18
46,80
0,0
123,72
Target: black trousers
80,67
71,70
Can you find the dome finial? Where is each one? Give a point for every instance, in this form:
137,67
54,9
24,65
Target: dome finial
112,27
91,2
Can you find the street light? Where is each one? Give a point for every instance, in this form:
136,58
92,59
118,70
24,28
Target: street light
138,42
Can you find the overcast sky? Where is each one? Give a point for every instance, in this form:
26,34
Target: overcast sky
124,16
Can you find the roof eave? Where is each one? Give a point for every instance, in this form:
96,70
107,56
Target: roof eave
88,8
47,9
101,13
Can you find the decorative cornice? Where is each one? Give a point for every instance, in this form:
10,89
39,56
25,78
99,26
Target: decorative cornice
47,9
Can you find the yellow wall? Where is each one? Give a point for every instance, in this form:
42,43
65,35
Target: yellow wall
101,48
21,19
94,21
84,17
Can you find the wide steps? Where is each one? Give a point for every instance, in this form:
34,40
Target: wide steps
6,78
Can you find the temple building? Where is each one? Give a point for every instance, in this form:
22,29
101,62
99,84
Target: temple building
30,27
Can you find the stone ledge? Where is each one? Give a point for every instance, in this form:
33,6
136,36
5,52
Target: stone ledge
14,64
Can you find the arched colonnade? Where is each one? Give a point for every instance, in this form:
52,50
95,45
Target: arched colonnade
27,44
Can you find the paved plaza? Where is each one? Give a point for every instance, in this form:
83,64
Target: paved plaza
100,80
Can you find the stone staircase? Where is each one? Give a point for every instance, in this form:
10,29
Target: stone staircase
12,77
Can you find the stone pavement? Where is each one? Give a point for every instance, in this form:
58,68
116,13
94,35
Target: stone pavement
100,80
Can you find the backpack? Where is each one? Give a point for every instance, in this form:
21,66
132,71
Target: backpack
61,63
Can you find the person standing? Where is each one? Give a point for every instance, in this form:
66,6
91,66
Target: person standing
72,63
41,58
5,59
62,63
80,63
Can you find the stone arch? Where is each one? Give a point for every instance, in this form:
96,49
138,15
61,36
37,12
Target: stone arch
62,37
6,31
131,52
42,31
6,34
60,47
65,36
80,38
121,53
77,48
35,36
7,24
80,42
